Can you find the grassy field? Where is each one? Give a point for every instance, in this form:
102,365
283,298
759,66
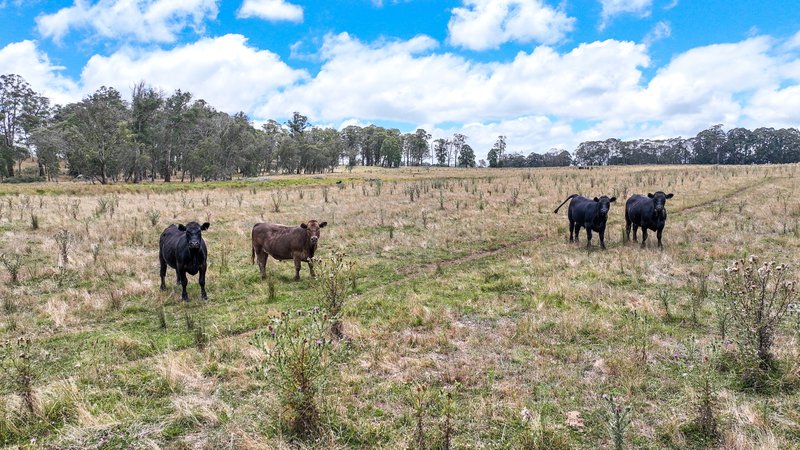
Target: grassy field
470,306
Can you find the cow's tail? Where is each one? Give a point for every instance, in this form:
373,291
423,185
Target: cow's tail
252,249
565,201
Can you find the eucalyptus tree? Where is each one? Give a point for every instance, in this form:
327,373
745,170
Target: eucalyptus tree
98,136
467,156
440,150
457,143
498,150
21,111
175,134
352,137
147,116
420,147
391,151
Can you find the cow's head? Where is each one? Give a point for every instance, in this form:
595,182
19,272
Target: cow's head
659,201
605,204
312,229
193,232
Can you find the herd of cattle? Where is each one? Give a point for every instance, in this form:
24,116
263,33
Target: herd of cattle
182,247
640,211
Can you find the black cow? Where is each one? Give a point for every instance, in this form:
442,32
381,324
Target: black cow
182,248
646,212
590,214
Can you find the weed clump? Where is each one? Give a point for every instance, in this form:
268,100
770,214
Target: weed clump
13,264
756,297
618,421
334,284
299,359
19,370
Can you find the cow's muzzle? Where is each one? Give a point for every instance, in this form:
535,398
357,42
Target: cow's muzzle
194,244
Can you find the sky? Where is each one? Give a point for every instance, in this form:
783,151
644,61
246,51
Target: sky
545,73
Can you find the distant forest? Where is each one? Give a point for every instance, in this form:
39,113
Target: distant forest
106,138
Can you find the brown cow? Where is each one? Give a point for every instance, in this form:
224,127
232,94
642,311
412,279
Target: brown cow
284,242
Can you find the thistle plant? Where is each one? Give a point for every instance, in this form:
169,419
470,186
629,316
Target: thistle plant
19,370
618,421
757,297
335,282
64,238
299,358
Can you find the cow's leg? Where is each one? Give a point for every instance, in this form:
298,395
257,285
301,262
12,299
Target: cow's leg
202,280
644,236
577,232
262,262
658,235
602,234
311,267
184,282
588,235
635,229
297,262
627,230
162,271
571,229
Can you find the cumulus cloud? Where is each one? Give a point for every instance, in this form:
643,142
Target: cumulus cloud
486,24
407,81
545,98
144,20
542,98
224,71
273,10
26,60
613,8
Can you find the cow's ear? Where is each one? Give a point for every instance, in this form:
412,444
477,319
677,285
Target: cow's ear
181,227
612,199
322,225
669,195
650,195
303,226
205,226
596,199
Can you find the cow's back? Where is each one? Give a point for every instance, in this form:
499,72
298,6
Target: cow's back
168,244
579,209
279,241
636,208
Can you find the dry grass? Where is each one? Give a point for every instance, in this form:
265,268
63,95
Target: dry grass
484,294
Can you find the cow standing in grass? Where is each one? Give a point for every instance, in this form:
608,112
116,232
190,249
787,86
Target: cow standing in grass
649,212
591,214
182,248
283,242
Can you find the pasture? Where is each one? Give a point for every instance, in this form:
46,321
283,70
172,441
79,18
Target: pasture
468,307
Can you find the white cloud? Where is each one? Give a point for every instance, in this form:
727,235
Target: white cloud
486,24
143,20
540,99
775,107
224,71
613,8
25,59
273,10
545,98
659,31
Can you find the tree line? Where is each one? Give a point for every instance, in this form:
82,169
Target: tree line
106,138
710,146
154,135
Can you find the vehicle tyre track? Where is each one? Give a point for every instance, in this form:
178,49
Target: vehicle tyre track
728,195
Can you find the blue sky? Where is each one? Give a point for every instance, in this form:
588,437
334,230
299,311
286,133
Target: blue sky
548,74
